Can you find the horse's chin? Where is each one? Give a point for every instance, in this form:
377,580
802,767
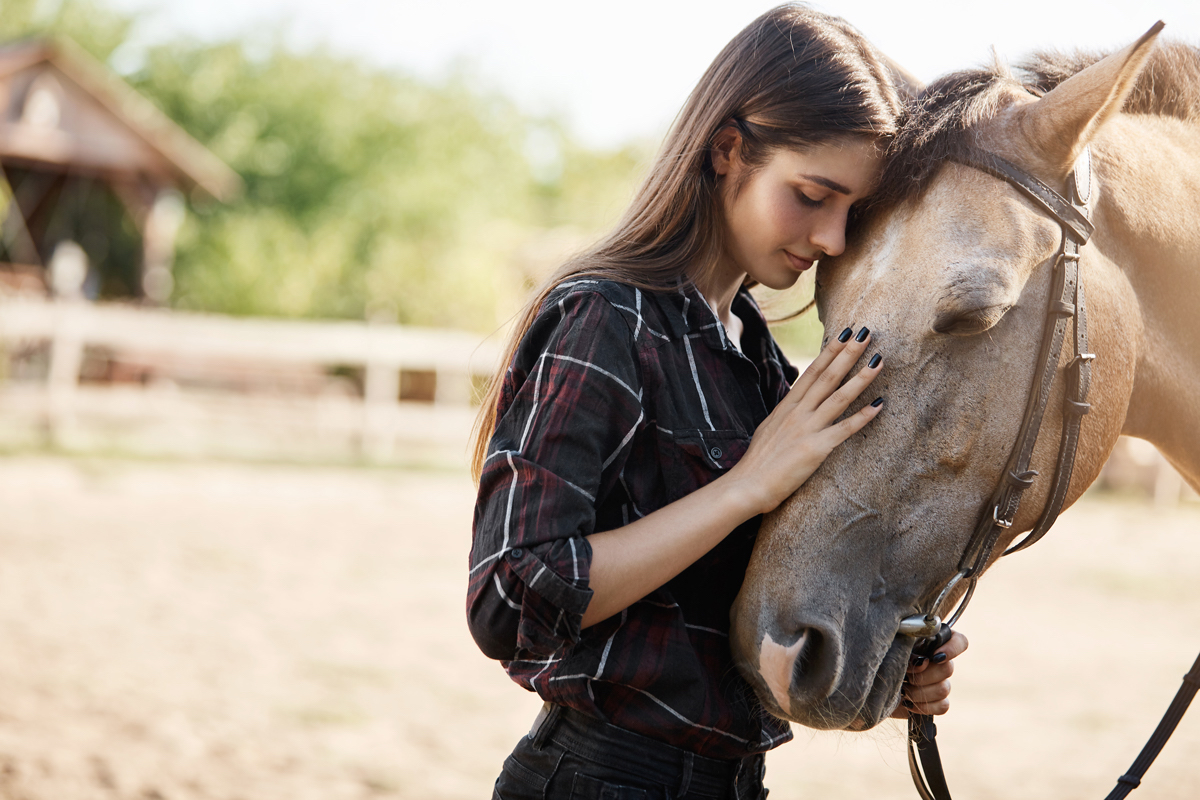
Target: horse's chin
886,686
852,708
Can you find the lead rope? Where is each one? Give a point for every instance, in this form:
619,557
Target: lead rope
924,760
1166,726
925,763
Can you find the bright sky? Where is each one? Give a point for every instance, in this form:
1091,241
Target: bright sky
622,68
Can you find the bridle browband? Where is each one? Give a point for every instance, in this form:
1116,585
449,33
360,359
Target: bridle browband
1066,303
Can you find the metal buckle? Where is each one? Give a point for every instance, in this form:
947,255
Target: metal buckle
1003,523
923,626
920,626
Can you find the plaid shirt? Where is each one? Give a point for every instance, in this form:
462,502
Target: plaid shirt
618,402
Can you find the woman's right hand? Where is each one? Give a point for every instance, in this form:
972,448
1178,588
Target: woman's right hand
633,560
802,431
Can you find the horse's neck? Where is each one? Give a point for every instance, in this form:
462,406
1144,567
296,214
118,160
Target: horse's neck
1149,225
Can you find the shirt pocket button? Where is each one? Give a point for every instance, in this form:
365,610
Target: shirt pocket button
715,453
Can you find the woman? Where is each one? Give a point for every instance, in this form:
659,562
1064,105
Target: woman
645,423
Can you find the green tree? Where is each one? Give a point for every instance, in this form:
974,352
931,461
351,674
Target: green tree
366,191
99,30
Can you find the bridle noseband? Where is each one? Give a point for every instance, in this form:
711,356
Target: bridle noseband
1066,303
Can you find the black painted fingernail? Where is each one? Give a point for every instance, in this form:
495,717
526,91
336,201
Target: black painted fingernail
874,362
862,335
845,335
939,658
877,402
918,661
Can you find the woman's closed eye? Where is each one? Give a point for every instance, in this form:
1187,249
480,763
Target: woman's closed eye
809,201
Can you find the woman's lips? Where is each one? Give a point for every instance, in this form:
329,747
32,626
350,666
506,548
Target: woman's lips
798,264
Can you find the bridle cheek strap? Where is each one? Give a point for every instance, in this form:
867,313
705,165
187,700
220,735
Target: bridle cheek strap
1066,303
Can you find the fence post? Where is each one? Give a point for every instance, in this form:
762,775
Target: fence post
381,394
1168,484
66,358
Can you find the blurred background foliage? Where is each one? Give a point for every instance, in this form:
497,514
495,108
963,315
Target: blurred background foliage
368,193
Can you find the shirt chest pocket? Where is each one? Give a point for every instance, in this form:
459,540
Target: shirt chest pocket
692,458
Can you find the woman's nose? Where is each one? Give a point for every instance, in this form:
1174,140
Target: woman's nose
829,236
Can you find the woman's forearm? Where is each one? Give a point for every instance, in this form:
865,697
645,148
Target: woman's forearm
632,561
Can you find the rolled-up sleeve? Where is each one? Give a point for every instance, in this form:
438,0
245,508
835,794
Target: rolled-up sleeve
570,405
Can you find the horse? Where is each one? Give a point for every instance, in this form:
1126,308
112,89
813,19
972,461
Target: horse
950,267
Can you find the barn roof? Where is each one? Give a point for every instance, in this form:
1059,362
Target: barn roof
60,106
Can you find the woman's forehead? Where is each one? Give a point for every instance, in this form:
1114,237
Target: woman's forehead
846,166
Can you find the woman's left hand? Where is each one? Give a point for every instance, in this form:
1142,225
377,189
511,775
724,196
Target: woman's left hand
927,686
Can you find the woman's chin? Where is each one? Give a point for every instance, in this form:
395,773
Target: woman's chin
779,280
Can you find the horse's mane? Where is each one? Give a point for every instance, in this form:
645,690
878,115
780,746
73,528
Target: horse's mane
937,124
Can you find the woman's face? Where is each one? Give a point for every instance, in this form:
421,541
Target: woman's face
792,210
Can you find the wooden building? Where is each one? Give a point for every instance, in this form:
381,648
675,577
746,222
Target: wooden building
92,178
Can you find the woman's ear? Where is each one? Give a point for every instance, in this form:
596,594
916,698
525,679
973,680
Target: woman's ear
726,149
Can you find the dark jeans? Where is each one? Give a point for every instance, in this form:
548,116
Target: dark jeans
571,756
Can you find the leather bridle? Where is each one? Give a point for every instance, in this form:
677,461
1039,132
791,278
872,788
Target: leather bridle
1066,303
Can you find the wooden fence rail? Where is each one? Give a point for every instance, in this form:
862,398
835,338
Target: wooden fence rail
166,416
377,353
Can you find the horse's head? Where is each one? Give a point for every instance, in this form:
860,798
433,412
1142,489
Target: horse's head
953,280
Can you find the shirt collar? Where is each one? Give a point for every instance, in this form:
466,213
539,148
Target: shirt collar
693,316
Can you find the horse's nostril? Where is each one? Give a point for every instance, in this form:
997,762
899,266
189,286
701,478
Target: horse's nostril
815,670
807,657
804,671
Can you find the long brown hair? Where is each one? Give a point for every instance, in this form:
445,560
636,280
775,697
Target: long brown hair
793,78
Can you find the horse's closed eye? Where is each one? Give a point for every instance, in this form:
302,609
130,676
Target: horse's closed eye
969,322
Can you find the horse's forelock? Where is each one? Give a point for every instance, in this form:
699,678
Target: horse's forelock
936,126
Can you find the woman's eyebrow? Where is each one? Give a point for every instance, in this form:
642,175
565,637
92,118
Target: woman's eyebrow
828,184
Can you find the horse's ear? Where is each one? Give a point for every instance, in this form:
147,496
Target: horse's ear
1062,122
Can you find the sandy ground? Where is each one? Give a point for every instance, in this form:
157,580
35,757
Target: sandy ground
249,633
